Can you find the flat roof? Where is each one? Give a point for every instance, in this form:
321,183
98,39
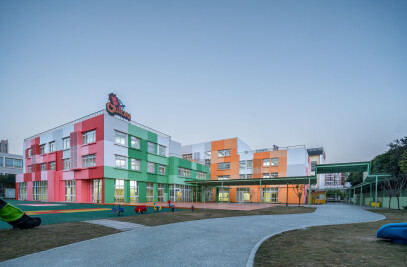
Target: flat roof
256,181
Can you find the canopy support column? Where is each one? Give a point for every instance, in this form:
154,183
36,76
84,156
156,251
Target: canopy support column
354,193
375,206
370,195
361,195
309,192
261,195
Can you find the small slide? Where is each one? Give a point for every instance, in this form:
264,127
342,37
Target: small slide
397,232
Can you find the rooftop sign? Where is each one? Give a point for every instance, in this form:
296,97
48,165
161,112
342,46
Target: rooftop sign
116,107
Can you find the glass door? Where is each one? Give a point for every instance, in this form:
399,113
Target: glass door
97,191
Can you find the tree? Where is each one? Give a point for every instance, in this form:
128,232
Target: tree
393,162
299,191
355,178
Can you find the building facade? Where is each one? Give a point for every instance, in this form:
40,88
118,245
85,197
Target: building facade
105,157
234,159
11,164
4,146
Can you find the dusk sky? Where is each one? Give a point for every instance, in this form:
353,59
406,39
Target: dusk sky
314,73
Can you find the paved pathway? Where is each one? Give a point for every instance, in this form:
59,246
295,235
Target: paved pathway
214,242
123,226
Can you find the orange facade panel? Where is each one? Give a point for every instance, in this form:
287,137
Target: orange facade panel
233,159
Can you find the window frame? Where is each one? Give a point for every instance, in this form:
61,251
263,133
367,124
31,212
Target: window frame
135,140
120,138
226,166
66,145
223,153
86,140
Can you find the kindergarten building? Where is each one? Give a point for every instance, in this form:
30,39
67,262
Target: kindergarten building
106,157
234,159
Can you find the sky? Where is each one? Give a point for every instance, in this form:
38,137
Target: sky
314,73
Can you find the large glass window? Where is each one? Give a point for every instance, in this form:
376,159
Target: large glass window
224,153
151,167
201,175
313,165
66,143
52,165
223,177
242,164
180,193
43,166
249,164
120,138
270,175
22,191
187,157
67,164
184,172
161,150
1,162
223,195
89,161
14,163
266,162
120,161
135,164
270,195
40,190
89,137
161,169
224,166
135,142
208,157
249,175
29,152
274,162
242,176
52,147
151,148
133,191
42,149
29,168
160,192
208,194
118,190
97,191
70,191
243,194
150,192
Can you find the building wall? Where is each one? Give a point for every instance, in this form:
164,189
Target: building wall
4,169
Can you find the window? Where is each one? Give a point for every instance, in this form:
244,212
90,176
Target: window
223,195
151,167
67,164
40,190
135,164
135,142
249,164
89,137
52,165
224,153
270,195
223,177
70,191
42,149
187,157
150,192
184,172
118,190
274,162
29,168
120,161
208,157
52,147
180,193
242,176
242,164
160,192
1,162
248,176
266,162
161,150
224,166
266,175
313,165
161,169
22,191
270,175
201,175
66,143
43,166
89,161
151,148
14,163
97,191
133,191
120,138
29,152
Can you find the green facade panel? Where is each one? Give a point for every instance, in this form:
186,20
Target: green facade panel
109,190
142,191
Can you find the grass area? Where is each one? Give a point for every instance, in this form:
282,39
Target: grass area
345,245
17,243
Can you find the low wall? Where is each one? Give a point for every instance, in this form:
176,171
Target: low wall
382,198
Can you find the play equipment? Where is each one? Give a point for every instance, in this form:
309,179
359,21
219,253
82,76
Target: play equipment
141,209
16,217
376,204
156,208
172,207
118,210
397,232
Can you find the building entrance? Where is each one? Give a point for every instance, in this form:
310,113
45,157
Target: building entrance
243,194
97,191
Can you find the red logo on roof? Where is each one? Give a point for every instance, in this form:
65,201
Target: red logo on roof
116,107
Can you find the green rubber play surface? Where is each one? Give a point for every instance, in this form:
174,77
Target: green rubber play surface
62,212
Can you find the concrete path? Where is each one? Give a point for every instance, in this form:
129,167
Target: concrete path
229,241
123,226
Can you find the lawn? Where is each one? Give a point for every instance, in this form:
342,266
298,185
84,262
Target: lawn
17,243
334,245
